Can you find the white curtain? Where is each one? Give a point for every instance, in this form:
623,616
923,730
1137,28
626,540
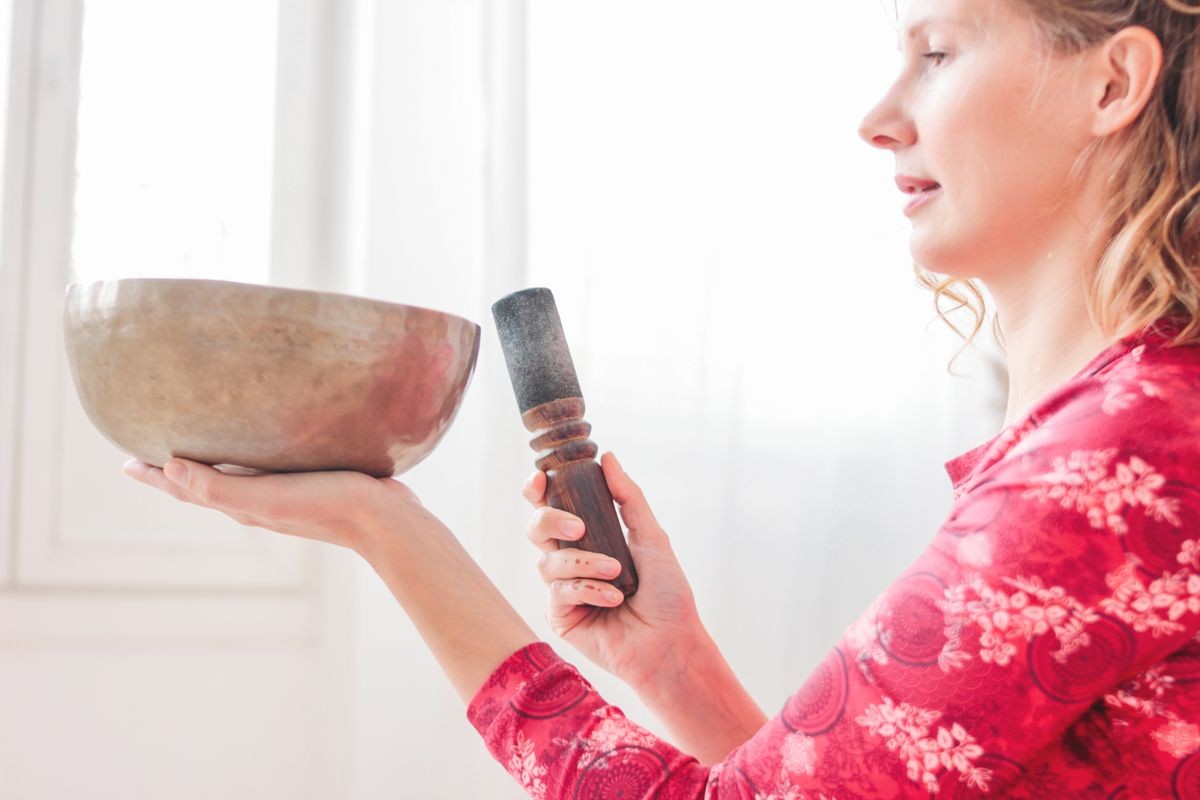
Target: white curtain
730,263
732,268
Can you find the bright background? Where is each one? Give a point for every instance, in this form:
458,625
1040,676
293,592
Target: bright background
730,262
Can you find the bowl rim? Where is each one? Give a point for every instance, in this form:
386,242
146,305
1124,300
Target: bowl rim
79,286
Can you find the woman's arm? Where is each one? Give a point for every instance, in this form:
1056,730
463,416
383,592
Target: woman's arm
464,619
434,579
702,703
459,613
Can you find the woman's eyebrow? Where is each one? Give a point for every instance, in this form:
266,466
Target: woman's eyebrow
925,22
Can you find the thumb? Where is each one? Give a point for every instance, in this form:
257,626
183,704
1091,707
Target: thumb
635,511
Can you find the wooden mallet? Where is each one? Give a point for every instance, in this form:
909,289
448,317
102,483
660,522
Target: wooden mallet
551,403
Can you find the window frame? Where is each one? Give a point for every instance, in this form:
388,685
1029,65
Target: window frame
38,188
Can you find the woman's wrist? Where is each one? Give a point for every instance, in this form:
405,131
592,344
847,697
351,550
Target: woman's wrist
464,619
701,700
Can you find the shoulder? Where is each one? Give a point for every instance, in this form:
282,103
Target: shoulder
1142,408
1110,470
1153,387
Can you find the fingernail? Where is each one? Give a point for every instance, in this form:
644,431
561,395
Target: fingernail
609,568
617,462
572,528
612,595
176,471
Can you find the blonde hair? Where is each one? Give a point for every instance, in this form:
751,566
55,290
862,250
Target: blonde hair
1151,223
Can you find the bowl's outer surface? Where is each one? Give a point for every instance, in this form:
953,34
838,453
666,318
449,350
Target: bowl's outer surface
261,378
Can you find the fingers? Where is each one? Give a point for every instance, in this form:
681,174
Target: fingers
271,496
153,476
548,525
567,595
635,511
570,563
545,527
235,494
534,489
576,580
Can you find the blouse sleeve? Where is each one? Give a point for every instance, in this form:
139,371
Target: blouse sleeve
1067,568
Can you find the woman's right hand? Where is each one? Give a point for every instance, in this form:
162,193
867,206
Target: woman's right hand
639,639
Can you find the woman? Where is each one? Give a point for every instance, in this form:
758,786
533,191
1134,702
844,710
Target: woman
1046,643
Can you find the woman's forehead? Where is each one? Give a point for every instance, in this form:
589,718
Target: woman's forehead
967,16
908,12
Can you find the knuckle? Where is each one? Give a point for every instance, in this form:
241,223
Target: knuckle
564,585
207,493
180,494
566,559
534,531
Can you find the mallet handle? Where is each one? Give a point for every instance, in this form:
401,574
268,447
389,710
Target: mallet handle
575,482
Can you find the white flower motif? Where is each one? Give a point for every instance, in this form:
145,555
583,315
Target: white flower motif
1189,554
1144,695
784,790
907,731
799,754
611,732
1116,399
1004,618
1178,738
1141,606
975,550
1089,483
522,765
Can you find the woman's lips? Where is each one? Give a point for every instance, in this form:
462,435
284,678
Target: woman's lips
921,198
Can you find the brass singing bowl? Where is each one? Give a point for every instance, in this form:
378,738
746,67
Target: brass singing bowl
254,379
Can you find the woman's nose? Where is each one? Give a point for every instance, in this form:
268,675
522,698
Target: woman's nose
883,127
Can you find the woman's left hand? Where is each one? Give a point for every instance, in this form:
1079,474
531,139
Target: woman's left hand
333,507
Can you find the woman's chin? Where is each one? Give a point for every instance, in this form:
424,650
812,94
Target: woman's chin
936,258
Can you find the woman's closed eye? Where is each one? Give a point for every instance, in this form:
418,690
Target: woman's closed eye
934,55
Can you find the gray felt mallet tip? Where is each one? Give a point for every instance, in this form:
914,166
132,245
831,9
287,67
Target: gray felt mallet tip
535,348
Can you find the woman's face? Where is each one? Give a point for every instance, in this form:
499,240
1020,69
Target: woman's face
986,124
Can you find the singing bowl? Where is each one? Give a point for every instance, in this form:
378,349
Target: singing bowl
254,379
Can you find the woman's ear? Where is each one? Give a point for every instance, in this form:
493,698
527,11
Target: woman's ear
1122,78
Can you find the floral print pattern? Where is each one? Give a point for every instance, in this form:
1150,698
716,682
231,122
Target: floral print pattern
907,733
1157,607
1045,644
523,765
1087,482
1004,617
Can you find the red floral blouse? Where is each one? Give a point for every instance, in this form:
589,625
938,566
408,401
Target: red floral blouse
1044,645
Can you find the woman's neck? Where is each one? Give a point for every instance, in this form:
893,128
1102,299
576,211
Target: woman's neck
1048,333
1043,354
